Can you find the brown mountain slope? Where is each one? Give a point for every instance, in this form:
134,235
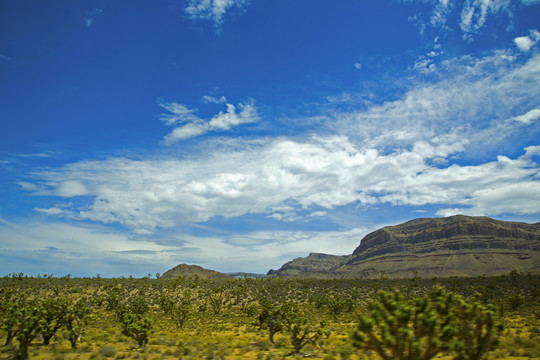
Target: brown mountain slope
453,246
193,271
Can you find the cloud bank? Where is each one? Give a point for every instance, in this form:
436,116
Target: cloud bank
322,173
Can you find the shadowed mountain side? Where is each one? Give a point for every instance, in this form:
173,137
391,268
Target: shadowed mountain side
453,246
193,271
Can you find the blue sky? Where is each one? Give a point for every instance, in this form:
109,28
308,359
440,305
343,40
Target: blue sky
238,135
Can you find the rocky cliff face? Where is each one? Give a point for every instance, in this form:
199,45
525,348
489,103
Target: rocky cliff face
453,246
453,233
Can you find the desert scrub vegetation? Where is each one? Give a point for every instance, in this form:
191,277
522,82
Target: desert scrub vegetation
271,318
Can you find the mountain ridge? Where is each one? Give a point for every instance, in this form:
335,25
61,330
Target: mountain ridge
458,245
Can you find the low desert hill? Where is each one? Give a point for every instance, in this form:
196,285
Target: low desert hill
453,246
193,271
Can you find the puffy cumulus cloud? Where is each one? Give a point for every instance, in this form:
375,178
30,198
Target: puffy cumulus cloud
213,10
281,177
521,198
485,189
189,125
145,194
525,43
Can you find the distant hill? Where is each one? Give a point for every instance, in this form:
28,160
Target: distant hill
316,265
242,275
453,246
193,271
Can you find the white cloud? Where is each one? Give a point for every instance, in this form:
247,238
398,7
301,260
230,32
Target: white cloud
281,177
528,117
473,14
91,16
518,198
213,100
28,186
71,188
178,114
42,247
213,10
186,132
399,152
262,250
91,250
85,241
525,43
440,13
470,106
318,214
51,211
190,125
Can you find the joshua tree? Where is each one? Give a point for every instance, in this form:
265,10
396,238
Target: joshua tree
29,323
75,321
420,328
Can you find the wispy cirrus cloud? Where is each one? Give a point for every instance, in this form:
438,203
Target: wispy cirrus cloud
472,15
91,16
472,103
48,246
188,125
213,10
86,249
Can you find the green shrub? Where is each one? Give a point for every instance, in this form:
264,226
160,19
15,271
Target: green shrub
107,351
